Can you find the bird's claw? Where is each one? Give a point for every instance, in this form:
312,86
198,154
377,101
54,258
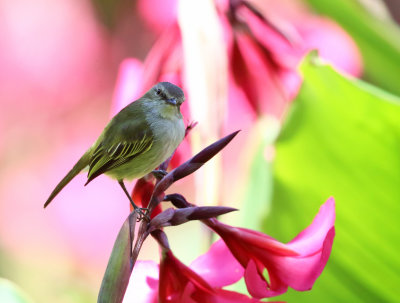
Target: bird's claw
159,173
143,214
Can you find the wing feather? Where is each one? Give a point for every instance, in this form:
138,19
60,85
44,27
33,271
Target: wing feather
109,155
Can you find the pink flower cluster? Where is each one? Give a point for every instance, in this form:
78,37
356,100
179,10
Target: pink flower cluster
239,253
264,41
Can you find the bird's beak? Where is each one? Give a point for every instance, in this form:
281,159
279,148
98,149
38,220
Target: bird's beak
171,101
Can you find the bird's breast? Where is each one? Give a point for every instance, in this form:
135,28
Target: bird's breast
168,134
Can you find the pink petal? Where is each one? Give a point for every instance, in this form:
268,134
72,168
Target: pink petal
258,74
301,273
311,239
220,296
218,266
128,87
333,44
158,13
225,296
174,276
143,284
159,61
281,38
291,81
241,114
265,242
258,287
308,32
297,264
250,239
314,244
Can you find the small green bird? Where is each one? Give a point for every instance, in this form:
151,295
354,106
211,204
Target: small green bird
136,141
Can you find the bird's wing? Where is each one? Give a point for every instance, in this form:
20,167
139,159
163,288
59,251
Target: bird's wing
119,148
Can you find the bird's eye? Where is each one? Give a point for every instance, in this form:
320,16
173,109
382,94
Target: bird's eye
158,91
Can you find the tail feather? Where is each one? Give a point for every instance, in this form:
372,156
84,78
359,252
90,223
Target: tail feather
78,167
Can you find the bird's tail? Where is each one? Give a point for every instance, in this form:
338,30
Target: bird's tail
78,167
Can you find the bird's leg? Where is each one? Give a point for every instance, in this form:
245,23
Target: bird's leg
142,212
159,173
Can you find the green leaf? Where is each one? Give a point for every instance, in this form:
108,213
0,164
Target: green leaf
119,267
11,293
342,139
377,38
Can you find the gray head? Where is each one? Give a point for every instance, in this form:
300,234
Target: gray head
168,92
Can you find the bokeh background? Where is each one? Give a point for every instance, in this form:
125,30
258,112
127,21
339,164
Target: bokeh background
67,66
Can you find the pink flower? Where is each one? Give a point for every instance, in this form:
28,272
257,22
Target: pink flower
306,31
265,41
242,252
176,282
266,44
296,264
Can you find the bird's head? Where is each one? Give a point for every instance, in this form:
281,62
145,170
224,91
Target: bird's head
165,98
168,93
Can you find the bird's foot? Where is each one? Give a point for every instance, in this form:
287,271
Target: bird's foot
159,173
143,214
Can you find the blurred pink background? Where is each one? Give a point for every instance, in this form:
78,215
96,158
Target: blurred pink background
58,69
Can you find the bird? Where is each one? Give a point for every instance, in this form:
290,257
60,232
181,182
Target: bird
135,142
